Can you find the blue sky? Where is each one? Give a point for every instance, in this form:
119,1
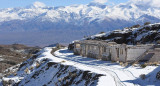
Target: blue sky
23,3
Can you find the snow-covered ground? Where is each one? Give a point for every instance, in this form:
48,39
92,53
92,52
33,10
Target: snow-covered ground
0,79
114,74
1,59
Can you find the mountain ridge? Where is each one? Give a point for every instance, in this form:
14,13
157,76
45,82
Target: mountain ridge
83,20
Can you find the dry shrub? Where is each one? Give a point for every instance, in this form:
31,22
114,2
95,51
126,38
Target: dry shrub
37,65
143,65
102,32
156,63
31,68
143,76
15,74
126,64
63,61
113,61
74,75
136,26
121,63
153,63
26,70
147,23
60,79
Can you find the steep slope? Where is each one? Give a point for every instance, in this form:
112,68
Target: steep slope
44,69
133,35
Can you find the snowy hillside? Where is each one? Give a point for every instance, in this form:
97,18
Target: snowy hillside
64,68
36,22
136,34
44,69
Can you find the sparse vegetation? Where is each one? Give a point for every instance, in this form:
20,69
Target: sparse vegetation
60,79
15,74
74,75
37,65
113,61
136,26
143,76
31,68
147,23
26,70
143,65
13,55
63,61
7,82
102,32
126,64
121,63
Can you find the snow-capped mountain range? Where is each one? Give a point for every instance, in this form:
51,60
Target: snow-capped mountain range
79,19
91,12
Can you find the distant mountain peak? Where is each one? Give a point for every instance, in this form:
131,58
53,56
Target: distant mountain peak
100,5
38,4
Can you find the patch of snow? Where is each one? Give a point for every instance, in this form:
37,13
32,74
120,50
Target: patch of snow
24,57
115,75
98,35
1,59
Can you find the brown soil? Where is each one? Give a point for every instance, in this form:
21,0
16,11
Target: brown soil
14,54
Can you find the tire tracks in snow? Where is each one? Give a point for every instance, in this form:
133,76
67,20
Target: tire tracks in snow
110,70
113,74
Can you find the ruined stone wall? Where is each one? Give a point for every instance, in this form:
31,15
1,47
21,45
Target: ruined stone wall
133,53
106,55
114,53
77,49
93,51
83,50
156,56
122,53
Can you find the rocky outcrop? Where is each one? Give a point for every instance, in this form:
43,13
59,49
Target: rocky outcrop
139,35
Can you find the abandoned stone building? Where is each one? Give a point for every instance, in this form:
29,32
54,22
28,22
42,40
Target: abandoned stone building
117,52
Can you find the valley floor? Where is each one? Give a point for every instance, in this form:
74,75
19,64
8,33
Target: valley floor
116,75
